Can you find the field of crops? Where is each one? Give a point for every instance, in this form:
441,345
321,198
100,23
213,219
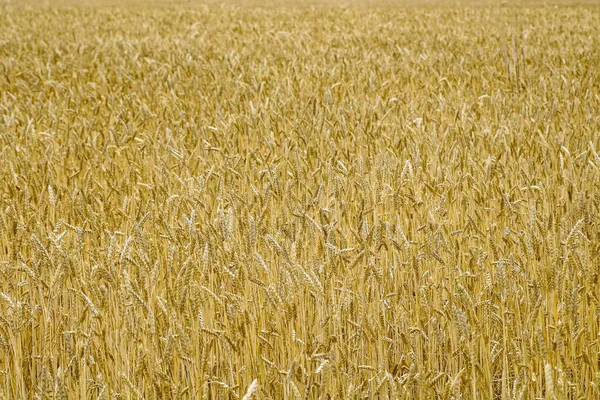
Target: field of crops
290,202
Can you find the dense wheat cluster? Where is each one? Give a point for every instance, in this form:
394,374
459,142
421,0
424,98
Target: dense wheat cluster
299,203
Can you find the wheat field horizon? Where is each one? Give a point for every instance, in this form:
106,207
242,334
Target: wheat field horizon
322,201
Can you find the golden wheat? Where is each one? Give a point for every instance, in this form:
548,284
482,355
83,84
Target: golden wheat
383,201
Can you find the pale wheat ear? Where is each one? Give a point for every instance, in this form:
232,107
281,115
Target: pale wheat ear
251,390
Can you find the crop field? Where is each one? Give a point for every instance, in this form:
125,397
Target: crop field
299,201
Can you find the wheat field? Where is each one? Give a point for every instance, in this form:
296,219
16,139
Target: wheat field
299,201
